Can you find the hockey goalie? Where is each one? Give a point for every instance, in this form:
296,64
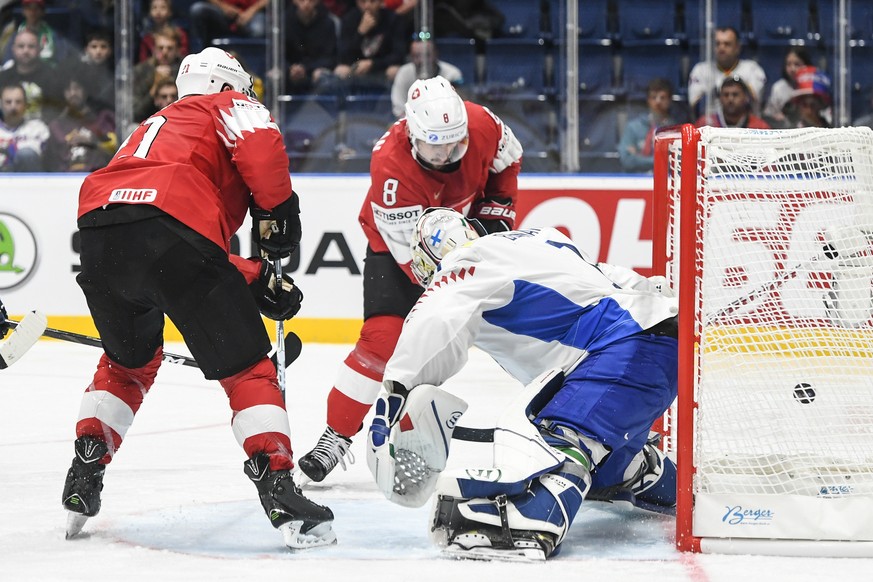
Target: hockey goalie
596,347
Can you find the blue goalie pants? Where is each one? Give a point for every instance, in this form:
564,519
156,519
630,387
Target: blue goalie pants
614,396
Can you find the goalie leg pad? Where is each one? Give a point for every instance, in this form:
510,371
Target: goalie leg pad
654,482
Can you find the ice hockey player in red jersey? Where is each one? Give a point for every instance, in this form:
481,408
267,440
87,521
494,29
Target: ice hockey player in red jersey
155,229
445,152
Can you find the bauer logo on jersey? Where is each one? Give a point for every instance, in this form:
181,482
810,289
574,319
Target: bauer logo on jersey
133,195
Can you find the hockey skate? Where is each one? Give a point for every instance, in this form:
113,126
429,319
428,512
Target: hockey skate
303,524
467,540
81,497
331,450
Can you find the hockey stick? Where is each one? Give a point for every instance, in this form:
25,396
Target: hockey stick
292,345
23,336
280,332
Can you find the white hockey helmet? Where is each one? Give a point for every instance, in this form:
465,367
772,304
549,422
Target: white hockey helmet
437,122
209,71
438,232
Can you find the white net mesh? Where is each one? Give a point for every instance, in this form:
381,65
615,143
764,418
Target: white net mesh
785,376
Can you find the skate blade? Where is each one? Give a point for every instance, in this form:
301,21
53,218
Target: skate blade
488,554
75,523
320,535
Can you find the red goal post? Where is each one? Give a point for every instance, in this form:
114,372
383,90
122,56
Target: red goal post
765,236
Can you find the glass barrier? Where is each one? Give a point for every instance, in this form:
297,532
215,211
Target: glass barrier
582,83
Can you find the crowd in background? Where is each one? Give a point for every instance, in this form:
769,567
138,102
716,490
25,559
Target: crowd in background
57,88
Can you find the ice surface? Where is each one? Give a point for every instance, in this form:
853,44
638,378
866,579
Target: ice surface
177,506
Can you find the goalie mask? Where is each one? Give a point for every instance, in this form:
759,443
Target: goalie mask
436,120
210,71
438,232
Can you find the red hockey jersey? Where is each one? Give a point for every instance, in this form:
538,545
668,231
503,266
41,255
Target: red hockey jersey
201,160
400,188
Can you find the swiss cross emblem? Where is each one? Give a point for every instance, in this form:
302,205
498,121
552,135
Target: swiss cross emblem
416,94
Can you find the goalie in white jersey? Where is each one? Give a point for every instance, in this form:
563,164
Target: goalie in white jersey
595,343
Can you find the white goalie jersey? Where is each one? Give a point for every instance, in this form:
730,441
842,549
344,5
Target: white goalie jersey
530,299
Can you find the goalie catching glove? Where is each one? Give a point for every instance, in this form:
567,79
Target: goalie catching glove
276,303
277,232
408,442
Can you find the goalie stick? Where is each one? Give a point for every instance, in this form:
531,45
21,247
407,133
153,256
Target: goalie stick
292,344
24,334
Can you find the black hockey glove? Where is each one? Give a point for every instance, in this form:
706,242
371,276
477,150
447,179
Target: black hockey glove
4,325
280,304
494,214
277,231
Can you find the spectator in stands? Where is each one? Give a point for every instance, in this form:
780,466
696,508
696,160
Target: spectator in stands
22,140
423,63
735,107
216,18
82,139
160,15
812,98
166,92
38,77
310,45
478,19
706,77
53,46
163,64
636,149
372,47
778,111
95,67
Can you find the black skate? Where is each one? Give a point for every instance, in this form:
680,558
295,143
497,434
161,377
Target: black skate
330,450
84,483
303,524
470,540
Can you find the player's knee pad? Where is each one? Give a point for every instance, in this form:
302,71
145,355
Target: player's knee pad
548,505
653,480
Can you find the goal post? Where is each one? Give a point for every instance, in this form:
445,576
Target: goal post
766,236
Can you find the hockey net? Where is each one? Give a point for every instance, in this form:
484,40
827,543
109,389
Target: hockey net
765,235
